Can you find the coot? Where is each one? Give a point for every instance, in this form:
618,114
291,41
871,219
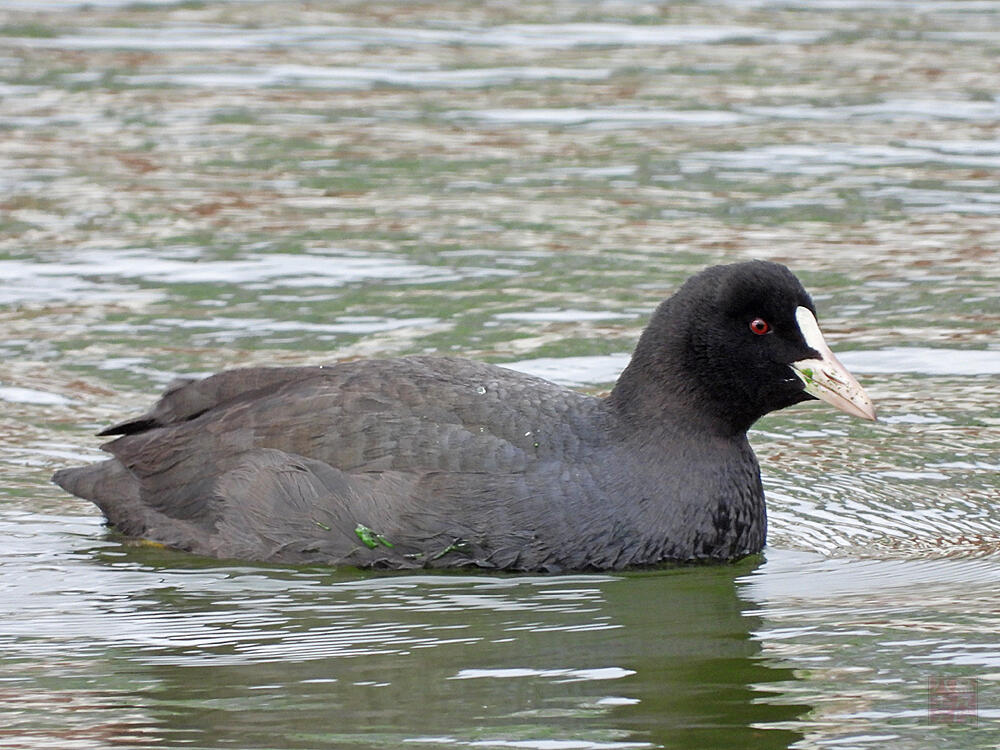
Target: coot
445,462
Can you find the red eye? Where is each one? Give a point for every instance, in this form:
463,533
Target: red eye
760,326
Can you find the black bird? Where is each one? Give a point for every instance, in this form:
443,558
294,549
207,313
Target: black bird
445,462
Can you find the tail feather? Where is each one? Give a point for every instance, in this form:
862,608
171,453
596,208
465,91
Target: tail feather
97,482
112,488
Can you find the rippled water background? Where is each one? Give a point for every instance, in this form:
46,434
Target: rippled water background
191,186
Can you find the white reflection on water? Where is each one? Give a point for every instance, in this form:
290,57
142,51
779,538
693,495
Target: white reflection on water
590,370
270,615
866,635
564,675
362,78
890,109
15,394
85,271
827,158
557,744
562,316
523,36
914,7
600,117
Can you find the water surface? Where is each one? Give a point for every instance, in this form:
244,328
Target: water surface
192,186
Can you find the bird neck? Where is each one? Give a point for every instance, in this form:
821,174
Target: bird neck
665,384
648,403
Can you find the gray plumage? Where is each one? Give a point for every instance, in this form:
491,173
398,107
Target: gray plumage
445,462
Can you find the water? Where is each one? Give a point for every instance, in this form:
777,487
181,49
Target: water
192,186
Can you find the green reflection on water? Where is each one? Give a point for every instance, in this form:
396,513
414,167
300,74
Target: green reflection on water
318,659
